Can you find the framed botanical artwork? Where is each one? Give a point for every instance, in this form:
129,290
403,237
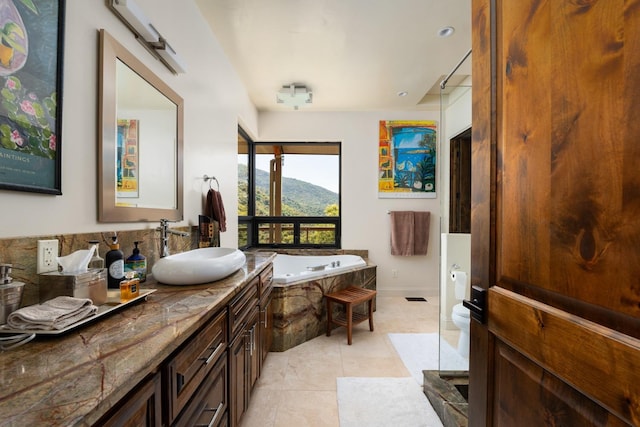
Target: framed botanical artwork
31,56
127,158
407,159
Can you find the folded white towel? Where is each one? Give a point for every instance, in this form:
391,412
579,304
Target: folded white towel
57,314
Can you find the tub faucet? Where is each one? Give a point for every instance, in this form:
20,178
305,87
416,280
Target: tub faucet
164,236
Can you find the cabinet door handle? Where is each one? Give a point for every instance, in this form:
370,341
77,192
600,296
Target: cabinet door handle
251,339
207,360
264,322
214,417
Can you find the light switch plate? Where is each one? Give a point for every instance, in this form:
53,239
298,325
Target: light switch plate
47,253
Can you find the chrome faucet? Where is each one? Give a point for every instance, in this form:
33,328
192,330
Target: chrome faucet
164,236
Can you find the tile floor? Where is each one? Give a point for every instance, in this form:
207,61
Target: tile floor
298,386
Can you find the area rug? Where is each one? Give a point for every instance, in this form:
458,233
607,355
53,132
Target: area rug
383,402
419,352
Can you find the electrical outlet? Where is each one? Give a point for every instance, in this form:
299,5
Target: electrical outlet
394,273
47,253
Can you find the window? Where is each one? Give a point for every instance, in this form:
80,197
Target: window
288,193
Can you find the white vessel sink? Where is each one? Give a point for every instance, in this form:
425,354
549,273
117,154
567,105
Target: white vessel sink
202,265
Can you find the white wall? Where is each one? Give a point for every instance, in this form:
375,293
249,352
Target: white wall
365,218
215,100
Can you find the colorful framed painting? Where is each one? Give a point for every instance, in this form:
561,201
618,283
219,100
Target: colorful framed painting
407,159
127,158
31,54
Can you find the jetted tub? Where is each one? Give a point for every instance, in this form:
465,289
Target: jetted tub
293,268
300,284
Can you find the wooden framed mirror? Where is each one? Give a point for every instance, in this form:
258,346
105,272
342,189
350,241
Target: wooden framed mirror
140,127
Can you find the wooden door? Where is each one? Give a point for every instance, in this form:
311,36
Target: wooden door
556,213
460,183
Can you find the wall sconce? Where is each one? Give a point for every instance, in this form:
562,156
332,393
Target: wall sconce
131,14
294,96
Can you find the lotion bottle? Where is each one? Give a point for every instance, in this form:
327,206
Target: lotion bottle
137,263
115,265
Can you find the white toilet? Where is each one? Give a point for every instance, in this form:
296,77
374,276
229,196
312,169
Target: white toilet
460,314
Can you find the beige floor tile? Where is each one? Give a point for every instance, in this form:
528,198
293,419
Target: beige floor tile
274,371
263,406
317,373
307,409
298,387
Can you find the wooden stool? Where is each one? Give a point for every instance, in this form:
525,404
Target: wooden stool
349,297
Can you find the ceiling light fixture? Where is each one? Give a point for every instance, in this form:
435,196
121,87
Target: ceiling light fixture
446,31
131,14
294,96
403,93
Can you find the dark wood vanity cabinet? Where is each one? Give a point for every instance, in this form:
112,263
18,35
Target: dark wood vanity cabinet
209,379
142,407
192,369
265,324
243,321
252,336
208,407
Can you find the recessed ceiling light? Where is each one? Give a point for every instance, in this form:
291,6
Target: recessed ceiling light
446,31
403,93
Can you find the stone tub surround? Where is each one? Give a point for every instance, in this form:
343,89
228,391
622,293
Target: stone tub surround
449,404
21,252
299,309
76,378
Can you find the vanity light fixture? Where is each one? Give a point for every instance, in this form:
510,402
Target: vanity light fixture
294,96
131,14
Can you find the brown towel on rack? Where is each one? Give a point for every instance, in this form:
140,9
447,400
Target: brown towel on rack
215,209
409,233
421,232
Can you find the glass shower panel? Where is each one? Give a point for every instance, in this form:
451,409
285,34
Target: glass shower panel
455,252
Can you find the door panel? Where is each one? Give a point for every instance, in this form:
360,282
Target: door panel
556,202
539,398
570,347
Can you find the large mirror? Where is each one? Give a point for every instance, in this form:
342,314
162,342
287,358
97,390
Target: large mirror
140,150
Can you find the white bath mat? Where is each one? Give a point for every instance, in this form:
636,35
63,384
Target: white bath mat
384,402
419,352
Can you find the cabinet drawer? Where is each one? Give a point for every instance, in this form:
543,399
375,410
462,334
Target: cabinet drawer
192,364
141,407
240,307
266,280
209,405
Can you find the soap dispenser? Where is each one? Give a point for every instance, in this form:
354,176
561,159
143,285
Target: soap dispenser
10,293
137,263
96,261
115,265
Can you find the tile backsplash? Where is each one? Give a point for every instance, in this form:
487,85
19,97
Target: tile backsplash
21,252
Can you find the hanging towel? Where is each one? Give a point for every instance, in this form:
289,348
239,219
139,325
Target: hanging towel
55,314
215,209
421,232
409,233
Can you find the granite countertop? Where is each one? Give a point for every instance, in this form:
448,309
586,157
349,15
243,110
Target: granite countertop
75,378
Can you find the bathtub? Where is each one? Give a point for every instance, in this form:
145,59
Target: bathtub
294,268
298,303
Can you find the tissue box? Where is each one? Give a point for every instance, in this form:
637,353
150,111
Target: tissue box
91,284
